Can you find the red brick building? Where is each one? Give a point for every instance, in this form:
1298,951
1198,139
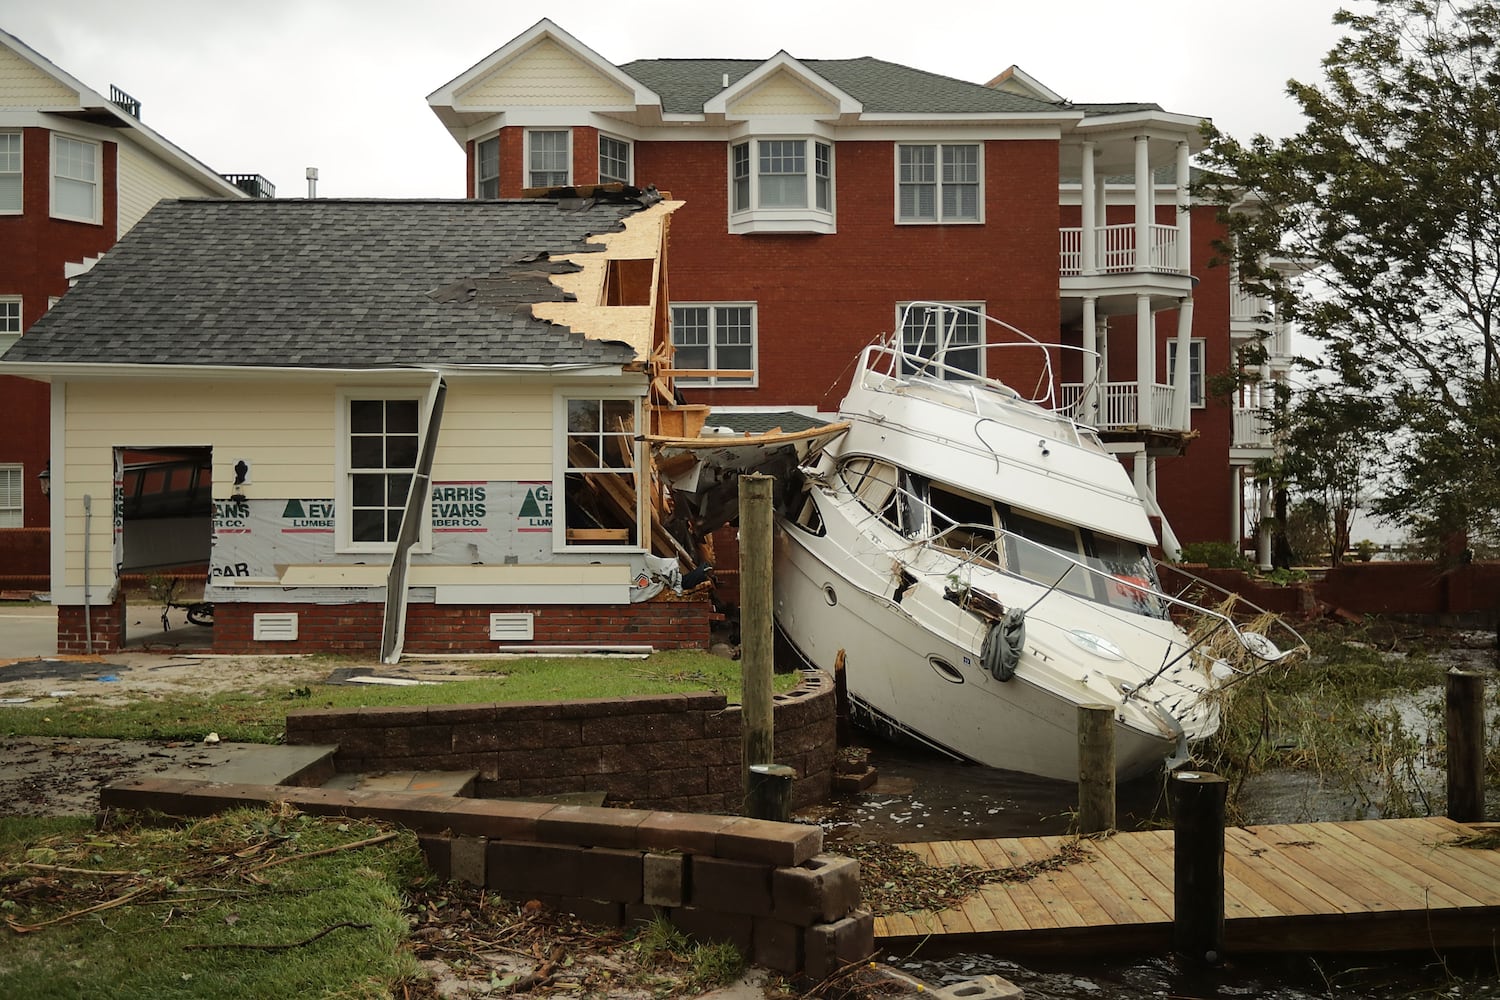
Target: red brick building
822,196
77,171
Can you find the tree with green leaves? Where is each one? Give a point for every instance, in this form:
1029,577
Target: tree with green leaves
1391,192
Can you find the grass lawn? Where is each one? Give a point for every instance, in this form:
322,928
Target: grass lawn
260,716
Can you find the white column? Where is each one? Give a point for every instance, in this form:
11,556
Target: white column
1263,539
1184,211
1145,203
1088,412
1089,222
1181,383
1236,506
1145,362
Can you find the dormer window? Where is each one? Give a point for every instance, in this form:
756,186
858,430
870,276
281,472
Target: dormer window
549,158
782,185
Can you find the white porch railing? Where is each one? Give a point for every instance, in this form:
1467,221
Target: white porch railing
1119,405
1245,307
1115,250
1252,427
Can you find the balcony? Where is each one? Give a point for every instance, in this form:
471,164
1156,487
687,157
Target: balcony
1251,429
1246,307
1115,251
1119,406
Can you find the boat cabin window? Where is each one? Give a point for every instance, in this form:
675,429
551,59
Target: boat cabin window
1047,551
962,522
875,484
1132,577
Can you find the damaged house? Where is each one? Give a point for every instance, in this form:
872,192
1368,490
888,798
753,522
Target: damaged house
425,421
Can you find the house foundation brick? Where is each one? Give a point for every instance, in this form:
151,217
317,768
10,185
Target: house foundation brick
830,947
731,886
664,879
821,890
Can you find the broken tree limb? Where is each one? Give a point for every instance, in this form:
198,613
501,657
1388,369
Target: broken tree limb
353,845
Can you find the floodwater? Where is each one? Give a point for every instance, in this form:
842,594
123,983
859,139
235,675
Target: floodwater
922,796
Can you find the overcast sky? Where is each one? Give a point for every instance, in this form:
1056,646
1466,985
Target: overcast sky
275,86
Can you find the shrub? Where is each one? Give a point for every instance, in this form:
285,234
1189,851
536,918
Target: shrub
1216,555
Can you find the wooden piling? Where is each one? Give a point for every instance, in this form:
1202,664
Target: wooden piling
1096,768
1464,721
769,795
1198,799
756,653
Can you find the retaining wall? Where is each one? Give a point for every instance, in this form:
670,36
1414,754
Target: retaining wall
765,887
678,751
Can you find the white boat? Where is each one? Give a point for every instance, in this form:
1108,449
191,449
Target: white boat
976,565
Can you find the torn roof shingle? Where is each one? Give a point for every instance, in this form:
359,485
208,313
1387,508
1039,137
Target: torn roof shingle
330,284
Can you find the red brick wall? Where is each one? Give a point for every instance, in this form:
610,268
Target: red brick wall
107,623
1412,588
661,752
435,628
25,557
33,249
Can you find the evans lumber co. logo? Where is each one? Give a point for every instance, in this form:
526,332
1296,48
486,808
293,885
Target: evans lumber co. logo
536,510
314,515
458,507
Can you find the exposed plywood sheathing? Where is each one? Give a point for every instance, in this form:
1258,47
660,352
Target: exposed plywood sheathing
643,239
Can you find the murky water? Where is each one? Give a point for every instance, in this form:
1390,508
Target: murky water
921,796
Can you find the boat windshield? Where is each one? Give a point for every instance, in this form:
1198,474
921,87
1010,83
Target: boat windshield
1086,563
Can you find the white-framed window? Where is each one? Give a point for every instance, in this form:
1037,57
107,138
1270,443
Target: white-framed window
599,462
781,185
614,160
75,179
12,199
549,158
939,182
10,321
953,338
380,436
12,510
714,336
1195,369
487,167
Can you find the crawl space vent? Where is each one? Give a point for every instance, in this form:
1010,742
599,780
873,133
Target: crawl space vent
511,627
275,628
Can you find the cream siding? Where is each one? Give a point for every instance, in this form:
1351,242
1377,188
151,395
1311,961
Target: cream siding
782,94
144,180
545,75
495,431
284,430
22,85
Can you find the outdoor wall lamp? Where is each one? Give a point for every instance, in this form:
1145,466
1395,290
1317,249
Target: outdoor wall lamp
45,478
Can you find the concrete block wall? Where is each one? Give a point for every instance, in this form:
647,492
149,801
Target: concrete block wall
677,751
765,887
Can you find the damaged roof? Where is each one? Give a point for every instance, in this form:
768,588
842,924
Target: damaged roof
686,85
332,284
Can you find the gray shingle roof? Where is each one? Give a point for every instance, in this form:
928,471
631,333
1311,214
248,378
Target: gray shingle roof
329,283
685,85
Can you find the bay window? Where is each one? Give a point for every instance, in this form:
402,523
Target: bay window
549,158
781,185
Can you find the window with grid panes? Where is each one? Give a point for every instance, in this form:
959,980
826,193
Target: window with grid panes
384,439
10,321
75,179
950,337
614,160
714,336
10,172
1195,369
547,158
599,499
487,168
777,175
937,183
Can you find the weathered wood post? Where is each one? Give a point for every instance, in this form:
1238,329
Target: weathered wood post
1198,865
1464,721
756,666
769,792
1096,768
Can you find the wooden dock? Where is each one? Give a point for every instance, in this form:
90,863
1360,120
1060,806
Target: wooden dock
1358,886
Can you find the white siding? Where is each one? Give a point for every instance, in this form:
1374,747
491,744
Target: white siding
495,431
782,94
144,180
544,75
22,85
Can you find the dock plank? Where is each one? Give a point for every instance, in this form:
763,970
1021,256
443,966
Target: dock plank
1293,887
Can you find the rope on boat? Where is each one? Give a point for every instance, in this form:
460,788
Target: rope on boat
1002,646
